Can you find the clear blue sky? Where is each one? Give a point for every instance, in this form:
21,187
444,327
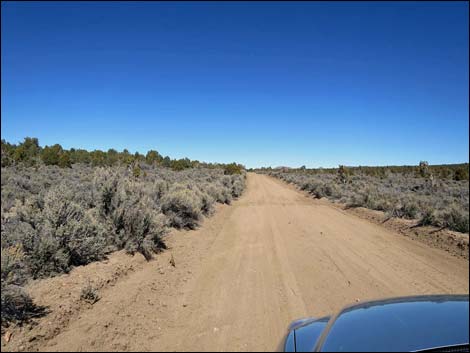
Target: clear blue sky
280,83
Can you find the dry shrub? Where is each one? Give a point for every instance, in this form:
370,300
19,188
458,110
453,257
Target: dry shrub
456,219
183,207
89,294
16,304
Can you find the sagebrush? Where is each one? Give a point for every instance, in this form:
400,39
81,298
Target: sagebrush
53,218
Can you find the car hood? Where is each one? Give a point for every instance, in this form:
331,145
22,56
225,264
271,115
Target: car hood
399,324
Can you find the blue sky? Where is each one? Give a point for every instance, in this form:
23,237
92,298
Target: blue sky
279,83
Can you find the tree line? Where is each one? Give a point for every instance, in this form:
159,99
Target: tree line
423,169
30,153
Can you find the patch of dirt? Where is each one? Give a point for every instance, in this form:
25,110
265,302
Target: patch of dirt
60,296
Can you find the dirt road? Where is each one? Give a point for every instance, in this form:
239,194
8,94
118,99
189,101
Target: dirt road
273,256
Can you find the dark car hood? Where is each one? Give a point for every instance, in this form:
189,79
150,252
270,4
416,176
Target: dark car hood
400,324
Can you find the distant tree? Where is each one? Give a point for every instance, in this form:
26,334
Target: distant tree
31,144
98,158
180,164
79,156
461,174
50,155
26,152
19,154
166,162
64,160
7,153
138,157
112,157
153,157
233,168
126,158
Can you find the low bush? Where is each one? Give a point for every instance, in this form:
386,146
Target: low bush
183,207
17,305
233,168
238,185
89,294
456,219
428,218
142,230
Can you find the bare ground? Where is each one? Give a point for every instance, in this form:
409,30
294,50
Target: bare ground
273,256
455,243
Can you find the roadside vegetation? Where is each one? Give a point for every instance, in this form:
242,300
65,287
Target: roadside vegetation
434,195
66,208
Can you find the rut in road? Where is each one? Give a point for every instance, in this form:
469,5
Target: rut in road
273,256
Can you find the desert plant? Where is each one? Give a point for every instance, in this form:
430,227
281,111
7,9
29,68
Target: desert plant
89,293
142,230
233,168
456,219
238,185
428,218
17,305
13,269
62,235
183,207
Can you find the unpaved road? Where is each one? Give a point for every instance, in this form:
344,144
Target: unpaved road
273,256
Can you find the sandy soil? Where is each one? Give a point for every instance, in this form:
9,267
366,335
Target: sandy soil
273,256
455,243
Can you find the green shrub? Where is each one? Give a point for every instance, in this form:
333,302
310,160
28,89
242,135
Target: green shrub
51,155
64,160
461,174
233,168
